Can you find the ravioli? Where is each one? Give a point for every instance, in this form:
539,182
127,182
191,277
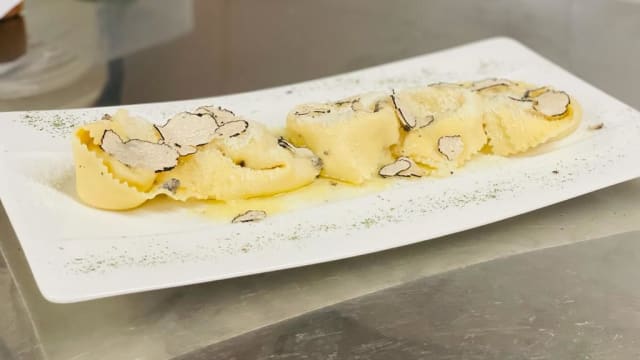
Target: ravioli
248,165
353,136
97,181
234,164
121,161
453,135
513,121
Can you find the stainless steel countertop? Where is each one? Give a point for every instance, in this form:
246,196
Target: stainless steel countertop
249,44
548,304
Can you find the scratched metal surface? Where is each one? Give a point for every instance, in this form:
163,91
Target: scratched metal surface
17,336
550,304
169,323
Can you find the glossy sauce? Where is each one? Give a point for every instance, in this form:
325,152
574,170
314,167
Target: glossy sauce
319,192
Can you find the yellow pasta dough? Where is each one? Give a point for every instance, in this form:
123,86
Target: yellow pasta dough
512,123
453,131
121,161
102,181
512,127
252,163
96,184
353,136
127,127
248,165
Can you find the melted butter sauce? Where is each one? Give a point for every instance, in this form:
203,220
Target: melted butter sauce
320,191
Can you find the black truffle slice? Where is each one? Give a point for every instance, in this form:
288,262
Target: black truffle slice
282,142
450,146
347,101
185,150
312,110
445,85
403,166
393,169
353,102
369,102
301,151
413,171
231,129
220,114
552,103
139,153
532,93
522,99
185,131
597,126
489,83
171,185
408,120
250,216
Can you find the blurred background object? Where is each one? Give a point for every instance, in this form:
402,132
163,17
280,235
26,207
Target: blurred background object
49,63
10,8
13,41
127,27
136,51
59,67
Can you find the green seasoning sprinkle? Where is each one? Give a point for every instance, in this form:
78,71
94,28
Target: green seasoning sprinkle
55,125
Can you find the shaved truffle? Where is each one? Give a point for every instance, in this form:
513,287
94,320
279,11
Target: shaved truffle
171,185
546,101
393,169
139,153
597,126
489,83
552,103
450,146
220,114
312,110
414,170
523,99
445,84
296,150
186,130
368,102
185,150
204,110
250,216
403,166
347,101
408,120
353,102
282,142
301,151
532,93
231,129
356,105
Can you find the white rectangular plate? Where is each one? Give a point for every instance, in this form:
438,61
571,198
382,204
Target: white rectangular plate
77,253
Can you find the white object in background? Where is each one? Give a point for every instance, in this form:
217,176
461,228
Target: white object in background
78,253
7,5
57,53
